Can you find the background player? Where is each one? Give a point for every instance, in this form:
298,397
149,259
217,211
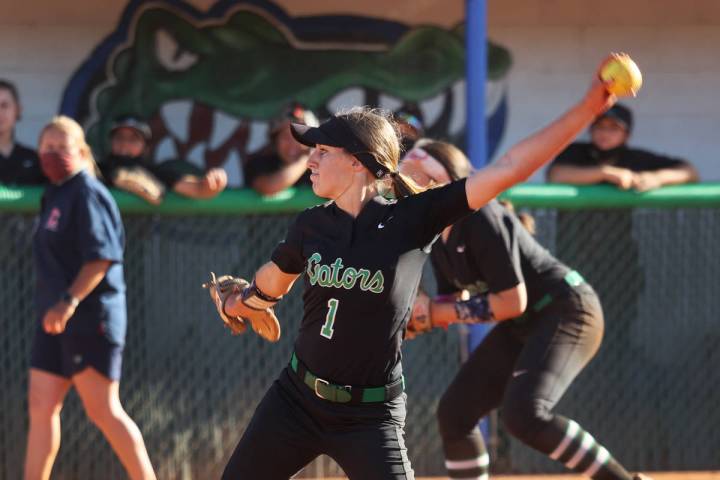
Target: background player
551,325
129,139
341,395
607,158
80,302
18,164
283,162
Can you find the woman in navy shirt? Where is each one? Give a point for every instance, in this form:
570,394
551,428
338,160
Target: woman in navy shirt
80,305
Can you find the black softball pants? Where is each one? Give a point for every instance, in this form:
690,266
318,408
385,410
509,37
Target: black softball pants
291,426
525,366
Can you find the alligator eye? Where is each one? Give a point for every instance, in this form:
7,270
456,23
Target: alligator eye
170,55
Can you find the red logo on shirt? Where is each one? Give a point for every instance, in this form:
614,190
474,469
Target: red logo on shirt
53,219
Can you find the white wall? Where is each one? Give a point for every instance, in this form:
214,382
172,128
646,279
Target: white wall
42,42
555,44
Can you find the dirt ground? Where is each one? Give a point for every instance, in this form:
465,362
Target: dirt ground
653,475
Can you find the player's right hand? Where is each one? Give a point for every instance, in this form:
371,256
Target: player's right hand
622,177
420,319
56,318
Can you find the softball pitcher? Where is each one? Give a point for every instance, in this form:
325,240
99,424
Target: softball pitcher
361,256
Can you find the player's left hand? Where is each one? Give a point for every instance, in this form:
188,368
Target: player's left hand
56,318
263,322
420,318
215,180
646,181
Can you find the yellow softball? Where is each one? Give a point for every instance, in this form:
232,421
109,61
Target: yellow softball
623,73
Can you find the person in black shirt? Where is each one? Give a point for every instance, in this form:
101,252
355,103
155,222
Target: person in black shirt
593,239
608,159
19,164
550,326
361,258
129,139
410,126
283,163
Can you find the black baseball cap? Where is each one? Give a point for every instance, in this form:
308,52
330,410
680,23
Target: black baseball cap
133,123
335,132
619,113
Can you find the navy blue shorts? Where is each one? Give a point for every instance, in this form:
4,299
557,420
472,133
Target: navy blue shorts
69,354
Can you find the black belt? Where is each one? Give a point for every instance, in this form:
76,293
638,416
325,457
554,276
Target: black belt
345,393
572,278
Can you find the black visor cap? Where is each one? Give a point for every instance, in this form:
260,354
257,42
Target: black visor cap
336,133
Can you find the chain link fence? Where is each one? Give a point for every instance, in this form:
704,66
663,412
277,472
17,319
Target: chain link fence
650,395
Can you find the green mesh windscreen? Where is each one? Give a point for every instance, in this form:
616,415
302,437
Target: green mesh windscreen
650,395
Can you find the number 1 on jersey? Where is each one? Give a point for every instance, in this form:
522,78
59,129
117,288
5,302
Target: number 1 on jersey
327,328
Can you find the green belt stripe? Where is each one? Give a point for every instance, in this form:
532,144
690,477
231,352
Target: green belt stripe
572,278
338,393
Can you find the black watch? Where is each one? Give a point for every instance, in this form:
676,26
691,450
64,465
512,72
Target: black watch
70,300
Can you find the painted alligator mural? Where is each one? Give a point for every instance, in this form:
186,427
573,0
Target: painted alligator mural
208,82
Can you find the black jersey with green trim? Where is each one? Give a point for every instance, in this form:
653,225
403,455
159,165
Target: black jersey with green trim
491,251
361,277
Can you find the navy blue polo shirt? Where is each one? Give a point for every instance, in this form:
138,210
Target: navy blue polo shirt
80,222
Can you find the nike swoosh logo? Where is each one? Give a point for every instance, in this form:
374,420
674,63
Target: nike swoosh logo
381,225
517,373
460,248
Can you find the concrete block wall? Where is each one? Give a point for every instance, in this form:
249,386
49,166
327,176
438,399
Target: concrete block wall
555,45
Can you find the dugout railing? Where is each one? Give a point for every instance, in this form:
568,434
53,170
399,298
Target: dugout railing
650,395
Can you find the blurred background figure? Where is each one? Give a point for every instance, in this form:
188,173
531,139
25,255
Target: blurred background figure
283,163
409,123
81,315
609,159
129,140
18,164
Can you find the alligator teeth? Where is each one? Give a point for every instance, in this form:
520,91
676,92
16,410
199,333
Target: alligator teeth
232,166
431,108
388,102
176,115
223,127
165,150
257,136
494,92
346,98
196,155
457,117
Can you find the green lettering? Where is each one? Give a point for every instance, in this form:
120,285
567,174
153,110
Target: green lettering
327,328
312,270
377,282
365,277
323,275
349,278
336,269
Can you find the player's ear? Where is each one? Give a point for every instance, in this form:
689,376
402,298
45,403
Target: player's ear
356,165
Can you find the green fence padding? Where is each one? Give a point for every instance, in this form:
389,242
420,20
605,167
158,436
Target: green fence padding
650,395
245,201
